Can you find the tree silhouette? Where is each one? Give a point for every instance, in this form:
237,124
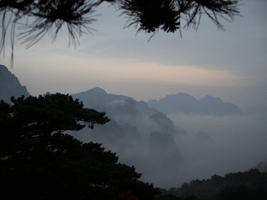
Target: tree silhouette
36,117
262,166
251,184
149,16
38,161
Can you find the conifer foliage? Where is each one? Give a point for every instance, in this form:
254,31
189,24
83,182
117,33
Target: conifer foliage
149,16
39,161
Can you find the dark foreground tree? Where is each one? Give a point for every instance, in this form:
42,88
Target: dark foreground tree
38,161
38,117
146,15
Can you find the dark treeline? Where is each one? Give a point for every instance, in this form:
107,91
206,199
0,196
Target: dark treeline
38,161
251,184
35,149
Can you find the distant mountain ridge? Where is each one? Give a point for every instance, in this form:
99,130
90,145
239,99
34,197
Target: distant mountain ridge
187,104
180,102
97,96
10,85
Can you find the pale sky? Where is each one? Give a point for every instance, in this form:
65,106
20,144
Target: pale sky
230,64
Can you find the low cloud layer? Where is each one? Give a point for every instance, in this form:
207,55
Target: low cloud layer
235,143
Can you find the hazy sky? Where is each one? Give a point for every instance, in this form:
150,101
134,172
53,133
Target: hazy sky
230,64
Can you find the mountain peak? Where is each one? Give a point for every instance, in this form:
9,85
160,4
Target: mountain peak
210,99
4,68
187,104
97,90
10,85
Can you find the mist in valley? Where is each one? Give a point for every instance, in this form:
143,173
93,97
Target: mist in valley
237,143
172,149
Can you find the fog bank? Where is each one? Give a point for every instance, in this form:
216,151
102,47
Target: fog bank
212,145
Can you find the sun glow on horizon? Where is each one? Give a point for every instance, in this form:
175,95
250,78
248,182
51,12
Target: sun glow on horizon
69,71
148,72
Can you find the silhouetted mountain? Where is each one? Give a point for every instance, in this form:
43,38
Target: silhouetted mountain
131,132
165,125
182,102
117,108
214,106
97,96
110,131
203,136
10,85
144,108
164,148
122,111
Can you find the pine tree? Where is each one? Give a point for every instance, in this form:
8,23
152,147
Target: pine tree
39,161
